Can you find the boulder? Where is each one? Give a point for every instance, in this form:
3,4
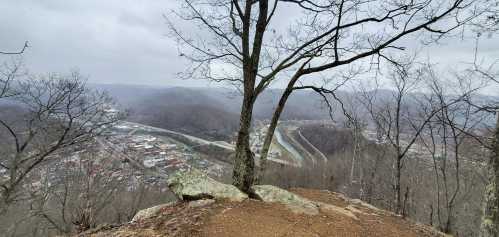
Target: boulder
150,212
359,202
200,203
194,185
295,203
335,210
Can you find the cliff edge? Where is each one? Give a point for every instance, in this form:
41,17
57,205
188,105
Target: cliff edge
207,208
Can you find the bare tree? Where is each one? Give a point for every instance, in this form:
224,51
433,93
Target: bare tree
21,51
243,43
391,117
400,116
58,112
444,137
80,190
9,71
490,218
80,197
357,123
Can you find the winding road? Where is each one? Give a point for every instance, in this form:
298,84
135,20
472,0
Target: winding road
280,139
133,127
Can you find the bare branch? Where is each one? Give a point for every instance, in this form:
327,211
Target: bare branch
18,52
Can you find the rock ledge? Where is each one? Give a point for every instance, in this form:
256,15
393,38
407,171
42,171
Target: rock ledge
194,185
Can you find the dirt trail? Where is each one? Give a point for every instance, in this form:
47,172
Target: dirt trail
254,219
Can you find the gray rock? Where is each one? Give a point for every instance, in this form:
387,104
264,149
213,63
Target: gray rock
295,203
335,210
150,212
194,185
201,203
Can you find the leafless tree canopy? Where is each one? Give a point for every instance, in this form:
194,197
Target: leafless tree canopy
253,44
53,112
21,51
326,34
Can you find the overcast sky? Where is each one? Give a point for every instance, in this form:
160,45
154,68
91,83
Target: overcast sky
124,41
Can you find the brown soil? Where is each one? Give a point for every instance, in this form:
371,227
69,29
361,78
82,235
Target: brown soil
254,218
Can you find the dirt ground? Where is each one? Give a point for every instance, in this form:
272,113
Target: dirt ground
254,218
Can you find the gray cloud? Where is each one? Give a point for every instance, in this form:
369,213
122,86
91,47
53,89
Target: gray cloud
112,41
124,41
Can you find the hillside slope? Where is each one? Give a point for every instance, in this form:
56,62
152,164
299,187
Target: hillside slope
252,218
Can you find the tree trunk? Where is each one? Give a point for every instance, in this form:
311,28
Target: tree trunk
270,132
244,164
490,219
398,198
275,119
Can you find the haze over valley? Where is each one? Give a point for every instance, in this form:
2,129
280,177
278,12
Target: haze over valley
247,118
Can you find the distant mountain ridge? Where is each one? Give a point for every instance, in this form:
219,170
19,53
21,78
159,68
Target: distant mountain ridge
213,113
207,112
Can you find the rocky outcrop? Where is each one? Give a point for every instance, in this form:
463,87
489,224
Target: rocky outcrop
297,204
333,210
194,185
209,218
156,210
150,212
200,203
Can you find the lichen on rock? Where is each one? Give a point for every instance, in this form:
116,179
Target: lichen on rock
295,203
150,212
200,203
194,185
